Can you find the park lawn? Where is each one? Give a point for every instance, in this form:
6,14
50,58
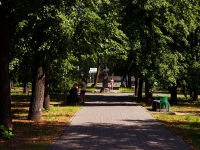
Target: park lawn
32,135
186,122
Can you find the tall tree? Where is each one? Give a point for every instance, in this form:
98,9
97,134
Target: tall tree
44,35
98,33
5,102
156,31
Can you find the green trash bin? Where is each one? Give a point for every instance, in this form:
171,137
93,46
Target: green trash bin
164,104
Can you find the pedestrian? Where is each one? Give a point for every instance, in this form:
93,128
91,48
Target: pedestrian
83,90
123,83
111,83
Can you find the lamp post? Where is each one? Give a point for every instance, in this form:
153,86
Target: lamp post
105,77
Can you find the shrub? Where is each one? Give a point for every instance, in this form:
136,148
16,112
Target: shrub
5,133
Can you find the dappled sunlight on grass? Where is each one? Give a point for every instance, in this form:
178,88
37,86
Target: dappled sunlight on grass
125,89
37,135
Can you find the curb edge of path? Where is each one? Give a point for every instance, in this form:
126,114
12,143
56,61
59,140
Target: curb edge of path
62,132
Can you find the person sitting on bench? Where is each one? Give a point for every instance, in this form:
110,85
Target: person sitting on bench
74,92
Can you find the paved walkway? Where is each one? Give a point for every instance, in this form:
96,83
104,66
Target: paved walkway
114,122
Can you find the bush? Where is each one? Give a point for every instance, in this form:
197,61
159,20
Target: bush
5,133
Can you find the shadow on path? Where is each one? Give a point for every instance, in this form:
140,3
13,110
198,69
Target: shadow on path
109,100
115,122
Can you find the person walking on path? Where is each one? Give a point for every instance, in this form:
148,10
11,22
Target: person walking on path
111,83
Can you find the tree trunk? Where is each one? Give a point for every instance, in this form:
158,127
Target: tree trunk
173,91
105,79
46,104
191,93
183,90
148,94
26,88
136,86
5,102
129,81
140,88
194,95
37,98
98,71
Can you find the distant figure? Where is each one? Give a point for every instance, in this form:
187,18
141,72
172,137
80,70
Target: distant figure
123,83
111,83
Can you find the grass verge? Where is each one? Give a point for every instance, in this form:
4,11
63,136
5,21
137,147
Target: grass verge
30,135
186,122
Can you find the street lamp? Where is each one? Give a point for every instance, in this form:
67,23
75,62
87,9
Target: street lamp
105,77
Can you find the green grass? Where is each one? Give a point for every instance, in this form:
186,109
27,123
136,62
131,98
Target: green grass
124,89
91,89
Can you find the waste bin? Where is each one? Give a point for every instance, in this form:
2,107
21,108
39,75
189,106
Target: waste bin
155,105
164,104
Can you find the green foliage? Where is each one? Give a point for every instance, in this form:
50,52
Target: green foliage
188,117
6,133
197,119
62,35
97,31
52,108
41,34
162,36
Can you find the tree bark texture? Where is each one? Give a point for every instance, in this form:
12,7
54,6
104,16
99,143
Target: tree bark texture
5,102
148,94
173,91
46,104
129,81
38,85
194,95
136,86
26,88
140,88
